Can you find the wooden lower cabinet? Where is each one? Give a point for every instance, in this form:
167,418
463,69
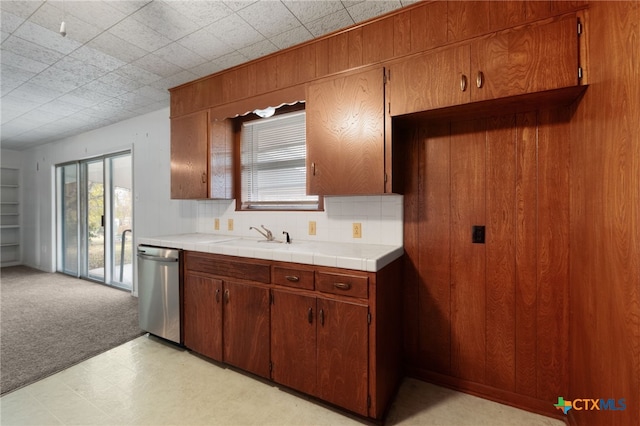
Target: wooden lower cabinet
327,332
320,347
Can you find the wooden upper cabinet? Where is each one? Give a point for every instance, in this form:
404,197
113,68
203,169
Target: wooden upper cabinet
529,60
345,134
430,81
189,156
221,167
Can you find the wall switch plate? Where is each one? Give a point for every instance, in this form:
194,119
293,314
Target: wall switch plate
357,230
216,224
312,227
230,224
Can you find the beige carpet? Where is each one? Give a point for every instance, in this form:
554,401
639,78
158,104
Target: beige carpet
50,321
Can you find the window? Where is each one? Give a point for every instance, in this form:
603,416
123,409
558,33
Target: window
274,173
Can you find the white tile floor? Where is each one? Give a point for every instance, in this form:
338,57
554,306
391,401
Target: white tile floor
147,382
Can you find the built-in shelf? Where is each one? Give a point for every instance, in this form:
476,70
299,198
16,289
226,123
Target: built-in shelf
10,253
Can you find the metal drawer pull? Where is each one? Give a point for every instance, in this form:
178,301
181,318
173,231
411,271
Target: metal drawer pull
322,317
217,295
226,296
463,82
480,79
342,286
310,315
292,278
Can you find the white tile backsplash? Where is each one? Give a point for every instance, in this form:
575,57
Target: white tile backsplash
380,216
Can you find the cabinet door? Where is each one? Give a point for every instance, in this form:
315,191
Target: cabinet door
189,156
221,172
293,341
530,60
345,135
203,315
343,360
430,81
246,327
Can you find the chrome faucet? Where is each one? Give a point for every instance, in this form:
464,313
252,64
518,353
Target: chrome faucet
267,234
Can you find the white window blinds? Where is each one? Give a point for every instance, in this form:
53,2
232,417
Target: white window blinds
273,163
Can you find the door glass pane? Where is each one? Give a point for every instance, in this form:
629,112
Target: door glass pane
95,220
68,181
122,221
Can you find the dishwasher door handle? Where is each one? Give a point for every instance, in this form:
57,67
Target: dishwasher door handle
158,258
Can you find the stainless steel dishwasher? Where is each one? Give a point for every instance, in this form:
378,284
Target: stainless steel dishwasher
159,291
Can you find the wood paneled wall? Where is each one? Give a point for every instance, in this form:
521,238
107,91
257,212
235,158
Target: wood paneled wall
605,220
416,28
490,319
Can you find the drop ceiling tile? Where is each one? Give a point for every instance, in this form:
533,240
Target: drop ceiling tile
139,35
175,80
83,71
117,47
127,7
258,50
21,62
152,93
152,107
240,4
235,32
4,36
202,12
119,82
157,65
46,38
31,50
291,37
33,93
10,22
137,74
269,18
49,16
179,55
23,9
205,69
107,90
97,58
134,100
61,107
205,44
307,11
161,18
100,14
85,97
333,22
12,74
362,11
62,82
7,115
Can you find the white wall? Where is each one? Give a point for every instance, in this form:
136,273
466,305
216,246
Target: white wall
148,137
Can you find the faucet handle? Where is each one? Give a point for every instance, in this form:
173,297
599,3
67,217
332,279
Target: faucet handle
288,238
269,233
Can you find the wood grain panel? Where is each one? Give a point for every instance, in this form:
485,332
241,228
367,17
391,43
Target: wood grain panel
355,44
221,149
322,57
190,156
537,9
202,309
345,135
500,252
296,66
434,222
227,266
293,341
338,57
605,219
246,327
429,81
553,252
505,14
342,354
530,60
265,72
468,293
402,33
466,19
428,26
377,41
526,254
236,84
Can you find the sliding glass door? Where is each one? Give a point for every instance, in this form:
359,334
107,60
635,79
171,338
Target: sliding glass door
95,218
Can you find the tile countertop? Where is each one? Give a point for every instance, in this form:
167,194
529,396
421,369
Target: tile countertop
362,257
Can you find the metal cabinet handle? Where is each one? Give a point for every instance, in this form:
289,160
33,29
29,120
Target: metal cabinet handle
463,82
217,295
342,286
226,297
310,315
322,317
313,169
480,79
292,278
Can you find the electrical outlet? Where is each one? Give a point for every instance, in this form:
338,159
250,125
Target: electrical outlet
230,224
312,227
216,224
357,230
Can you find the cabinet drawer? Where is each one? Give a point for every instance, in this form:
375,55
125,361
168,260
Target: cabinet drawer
292,277
224,266
347,285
